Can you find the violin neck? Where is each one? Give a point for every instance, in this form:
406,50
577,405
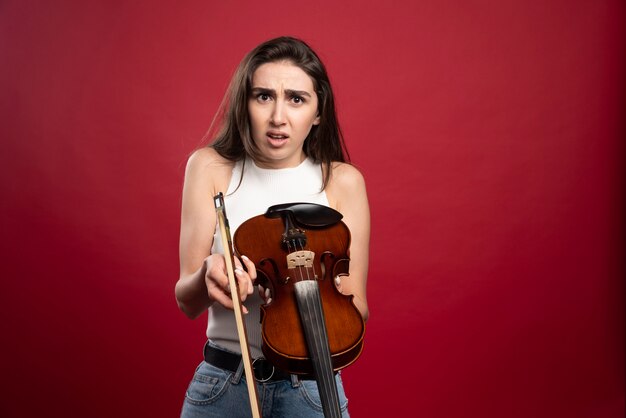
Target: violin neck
312,316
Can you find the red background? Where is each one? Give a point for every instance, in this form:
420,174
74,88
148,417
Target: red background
491,138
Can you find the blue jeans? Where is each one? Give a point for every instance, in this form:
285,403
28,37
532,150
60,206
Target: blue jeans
214,392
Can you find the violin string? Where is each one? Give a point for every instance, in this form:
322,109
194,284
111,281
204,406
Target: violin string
323,350
311,313
314,272
306,269
318,344
291,249
331,388
295,248
315,311
321,346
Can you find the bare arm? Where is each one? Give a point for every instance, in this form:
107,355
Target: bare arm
203,280
346,193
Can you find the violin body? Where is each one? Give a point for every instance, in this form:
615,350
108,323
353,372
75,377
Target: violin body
322,256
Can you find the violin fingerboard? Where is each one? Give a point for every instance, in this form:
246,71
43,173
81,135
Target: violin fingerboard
312,316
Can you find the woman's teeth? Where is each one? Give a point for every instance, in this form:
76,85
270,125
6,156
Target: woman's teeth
277,136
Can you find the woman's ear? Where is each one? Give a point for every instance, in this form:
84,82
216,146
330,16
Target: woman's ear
317,120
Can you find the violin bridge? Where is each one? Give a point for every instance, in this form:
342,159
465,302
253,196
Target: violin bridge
300,259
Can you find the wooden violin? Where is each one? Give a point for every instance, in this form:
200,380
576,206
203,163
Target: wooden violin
309,327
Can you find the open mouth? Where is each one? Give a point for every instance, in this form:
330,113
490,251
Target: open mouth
277,139
277,136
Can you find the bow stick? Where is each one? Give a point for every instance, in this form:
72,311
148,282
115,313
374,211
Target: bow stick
234,291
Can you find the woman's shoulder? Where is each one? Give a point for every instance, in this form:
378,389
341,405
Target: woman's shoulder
207,157
207,165
346,185
345,175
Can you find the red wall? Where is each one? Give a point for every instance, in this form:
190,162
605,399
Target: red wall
491,138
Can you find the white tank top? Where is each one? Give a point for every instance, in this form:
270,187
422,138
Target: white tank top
260,188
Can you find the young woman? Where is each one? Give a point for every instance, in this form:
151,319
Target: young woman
279,142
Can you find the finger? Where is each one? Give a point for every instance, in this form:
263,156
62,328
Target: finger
223,299
221,295
216,273
250,267
238,264
338,283
250,270
244,282
217,281
217,294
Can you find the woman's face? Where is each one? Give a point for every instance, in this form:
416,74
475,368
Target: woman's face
283,109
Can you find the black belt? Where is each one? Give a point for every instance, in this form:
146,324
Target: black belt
264,371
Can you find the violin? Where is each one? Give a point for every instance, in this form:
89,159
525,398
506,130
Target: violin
309,327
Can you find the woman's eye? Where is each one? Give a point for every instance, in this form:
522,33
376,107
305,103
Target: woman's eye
297,99
263,97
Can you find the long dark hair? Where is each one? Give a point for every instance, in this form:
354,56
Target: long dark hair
233,141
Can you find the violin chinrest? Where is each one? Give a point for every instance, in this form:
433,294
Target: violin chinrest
307,214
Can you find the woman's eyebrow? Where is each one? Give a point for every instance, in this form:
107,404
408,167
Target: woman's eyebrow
263,90
272,92
291,92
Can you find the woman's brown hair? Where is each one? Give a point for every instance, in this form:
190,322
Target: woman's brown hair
324,144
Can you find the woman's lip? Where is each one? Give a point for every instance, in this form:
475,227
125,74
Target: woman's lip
276,142
275,134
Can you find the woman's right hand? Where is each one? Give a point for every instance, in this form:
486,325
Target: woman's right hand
216,279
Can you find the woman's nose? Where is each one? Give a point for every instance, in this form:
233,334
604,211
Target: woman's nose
278,114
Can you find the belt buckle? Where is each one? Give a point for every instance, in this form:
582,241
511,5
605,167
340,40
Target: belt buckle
261,367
